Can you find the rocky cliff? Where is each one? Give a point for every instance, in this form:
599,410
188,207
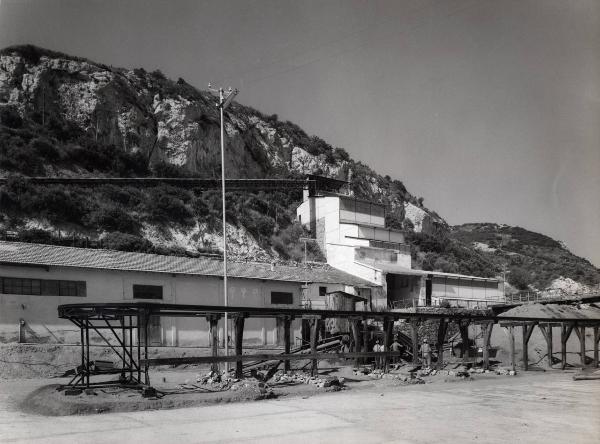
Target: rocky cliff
67,116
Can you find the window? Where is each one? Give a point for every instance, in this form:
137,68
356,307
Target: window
280,297
147,292
322,291
42,287
21,286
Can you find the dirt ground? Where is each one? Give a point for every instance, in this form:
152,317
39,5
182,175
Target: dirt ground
178,388
530,407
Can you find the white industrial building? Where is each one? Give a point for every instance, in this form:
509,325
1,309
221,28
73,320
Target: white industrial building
352,234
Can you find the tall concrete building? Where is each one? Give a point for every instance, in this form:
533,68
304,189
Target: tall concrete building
352,234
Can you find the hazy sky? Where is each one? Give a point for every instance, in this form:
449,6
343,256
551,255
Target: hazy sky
489,109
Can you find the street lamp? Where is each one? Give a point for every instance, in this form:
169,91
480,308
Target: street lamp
225,98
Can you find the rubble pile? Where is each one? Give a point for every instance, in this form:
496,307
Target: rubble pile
408,377
219,381
505,371
334,383
260,390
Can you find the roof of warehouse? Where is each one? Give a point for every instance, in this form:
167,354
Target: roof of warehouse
398,269
52,255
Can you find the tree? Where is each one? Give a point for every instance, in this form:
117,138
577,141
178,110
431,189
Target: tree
519,278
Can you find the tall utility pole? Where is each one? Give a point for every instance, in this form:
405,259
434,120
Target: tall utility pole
225,98
306,240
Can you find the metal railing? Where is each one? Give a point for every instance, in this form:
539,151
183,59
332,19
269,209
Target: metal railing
558,294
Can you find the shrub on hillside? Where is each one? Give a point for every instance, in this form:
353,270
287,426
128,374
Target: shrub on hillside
10,117
106,158
110,217
18,157
128,196
260,225
168,204
45,148
127,242
36,236
288,245
55,203
519,278
444,265
164,169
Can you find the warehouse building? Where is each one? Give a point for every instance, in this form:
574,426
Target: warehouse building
35,279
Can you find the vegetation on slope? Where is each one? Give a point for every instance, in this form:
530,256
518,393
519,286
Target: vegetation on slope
529,258
39,136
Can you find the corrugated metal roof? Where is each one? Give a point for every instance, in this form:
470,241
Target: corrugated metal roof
462,276
53,255
398,269
393,268
553,311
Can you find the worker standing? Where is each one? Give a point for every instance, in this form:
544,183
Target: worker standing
378,347
426,353
395,347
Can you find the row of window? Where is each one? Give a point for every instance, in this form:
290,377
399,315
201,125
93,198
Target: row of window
47,287
42,287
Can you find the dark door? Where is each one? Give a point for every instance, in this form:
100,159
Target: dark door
154,331
428,287
280,331
391,289
305,331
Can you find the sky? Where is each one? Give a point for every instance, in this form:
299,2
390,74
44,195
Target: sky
489,109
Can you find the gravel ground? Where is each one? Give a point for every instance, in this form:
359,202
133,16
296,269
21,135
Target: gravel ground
534,407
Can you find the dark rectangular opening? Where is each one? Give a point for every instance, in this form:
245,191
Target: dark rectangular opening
322,291
281,297
428,290
42,287
147,291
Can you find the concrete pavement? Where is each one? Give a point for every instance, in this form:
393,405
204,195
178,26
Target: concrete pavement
533,408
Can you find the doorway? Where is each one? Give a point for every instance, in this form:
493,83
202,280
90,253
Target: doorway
428,290
154,332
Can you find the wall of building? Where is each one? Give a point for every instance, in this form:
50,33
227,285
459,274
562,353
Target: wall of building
326,208
464,292
312,298
41,322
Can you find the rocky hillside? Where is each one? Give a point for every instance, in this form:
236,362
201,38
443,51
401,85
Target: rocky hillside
529,258
66,116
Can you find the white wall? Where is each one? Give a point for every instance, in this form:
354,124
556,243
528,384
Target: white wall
311,293
41,315
458,291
